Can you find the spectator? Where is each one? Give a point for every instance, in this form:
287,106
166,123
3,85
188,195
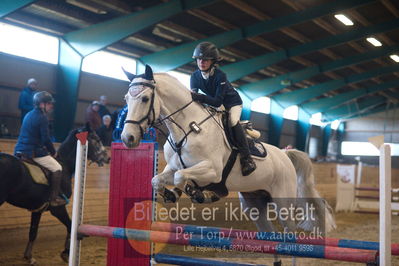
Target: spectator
25,103
103,109
150,133
92,115
105,131
114,117
4,132
119,124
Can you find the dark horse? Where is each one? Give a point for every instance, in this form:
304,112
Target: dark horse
18,188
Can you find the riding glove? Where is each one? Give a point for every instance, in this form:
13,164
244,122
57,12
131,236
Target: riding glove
197,96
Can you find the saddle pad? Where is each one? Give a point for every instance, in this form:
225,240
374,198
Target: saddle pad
37,174
256,148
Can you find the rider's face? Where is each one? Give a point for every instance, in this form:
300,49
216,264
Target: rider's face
49,107
204,64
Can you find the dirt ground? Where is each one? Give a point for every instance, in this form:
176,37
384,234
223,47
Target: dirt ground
51,239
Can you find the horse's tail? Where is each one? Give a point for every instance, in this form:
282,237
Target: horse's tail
307,193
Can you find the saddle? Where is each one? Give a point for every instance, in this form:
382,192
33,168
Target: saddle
40,175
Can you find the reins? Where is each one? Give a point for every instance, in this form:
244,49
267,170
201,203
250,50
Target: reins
176,146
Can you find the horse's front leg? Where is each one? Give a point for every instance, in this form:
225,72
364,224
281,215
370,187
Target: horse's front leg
166,178
61,213
201,173
34,227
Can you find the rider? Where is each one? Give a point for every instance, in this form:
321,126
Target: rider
34,142
218,90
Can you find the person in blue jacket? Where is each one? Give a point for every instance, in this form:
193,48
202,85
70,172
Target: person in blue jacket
25,102
217,91
34,142
150,133
119,124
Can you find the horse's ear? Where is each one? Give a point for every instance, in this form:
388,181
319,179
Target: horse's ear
129,75
148,73
87,127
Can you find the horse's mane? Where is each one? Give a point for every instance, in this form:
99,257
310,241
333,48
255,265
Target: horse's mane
68,145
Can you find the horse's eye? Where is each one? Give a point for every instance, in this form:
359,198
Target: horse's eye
144,99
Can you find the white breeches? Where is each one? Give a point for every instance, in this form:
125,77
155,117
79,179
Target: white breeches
49,163
235,114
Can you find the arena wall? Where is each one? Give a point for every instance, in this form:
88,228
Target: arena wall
96,196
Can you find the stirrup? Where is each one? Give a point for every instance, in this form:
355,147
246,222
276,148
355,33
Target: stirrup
58,201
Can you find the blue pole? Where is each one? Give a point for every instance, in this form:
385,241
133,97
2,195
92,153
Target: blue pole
188,261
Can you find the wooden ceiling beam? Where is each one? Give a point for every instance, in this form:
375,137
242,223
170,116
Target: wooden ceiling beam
329,28
211,19
115,5
180,30
391,7
357,16
241,5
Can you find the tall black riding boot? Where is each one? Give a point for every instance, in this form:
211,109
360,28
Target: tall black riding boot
55,199
247,164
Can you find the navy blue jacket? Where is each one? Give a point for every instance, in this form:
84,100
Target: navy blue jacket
120,123
103,111
34,140
217,88
25,103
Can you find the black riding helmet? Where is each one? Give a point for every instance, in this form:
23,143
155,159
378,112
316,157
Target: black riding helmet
42,97
206,50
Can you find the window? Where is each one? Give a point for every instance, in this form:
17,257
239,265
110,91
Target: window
316,120
183,78
365,149
291,112
27,43
108,64
313,147
335,124
261,105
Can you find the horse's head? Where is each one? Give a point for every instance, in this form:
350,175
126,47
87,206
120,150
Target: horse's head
143,107
96,151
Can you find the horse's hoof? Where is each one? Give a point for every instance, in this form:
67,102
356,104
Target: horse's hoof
168,196
210,196
277,263
65,256
194,193
31,261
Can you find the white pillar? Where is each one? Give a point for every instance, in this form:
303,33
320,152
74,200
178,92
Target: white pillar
385,205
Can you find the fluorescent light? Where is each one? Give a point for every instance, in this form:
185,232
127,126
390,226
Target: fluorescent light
344,19
394,57
374,41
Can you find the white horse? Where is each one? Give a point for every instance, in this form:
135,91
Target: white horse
199,151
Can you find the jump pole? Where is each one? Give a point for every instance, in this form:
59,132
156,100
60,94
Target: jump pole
247,234
385,205
78,196
256,246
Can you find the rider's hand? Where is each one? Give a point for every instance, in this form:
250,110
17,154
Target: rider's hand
197,97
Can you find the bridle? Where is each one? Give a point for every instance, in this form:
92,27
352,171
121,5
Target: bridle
150,109
176,146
